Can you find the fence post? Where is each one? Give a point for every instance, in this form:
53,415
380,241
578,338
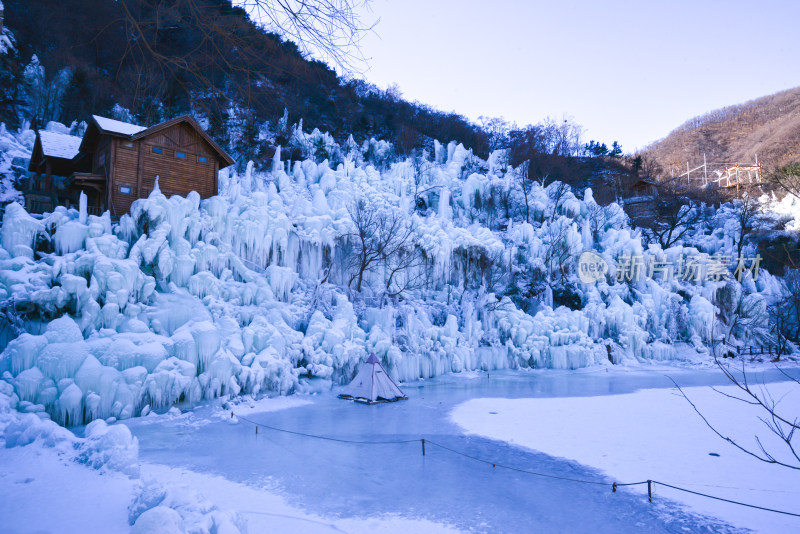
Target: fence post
650,490
423,446
705,170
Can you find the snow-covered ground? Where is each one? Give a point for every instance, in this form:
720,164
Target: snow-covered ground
201,469
656,434
267,511
41,491
79,500
45,489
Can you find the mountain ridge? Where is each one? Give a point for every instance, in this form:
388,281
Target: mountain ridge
766,128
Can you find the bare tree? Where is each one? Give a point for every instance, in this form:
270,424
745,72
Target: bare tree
497,129
525,184
422,168
525,144
328,29
380,236
600,217
555,193
673,216
780,424
788,179
748,316
404,271
746,212
495,271
556,250
785,314
562,138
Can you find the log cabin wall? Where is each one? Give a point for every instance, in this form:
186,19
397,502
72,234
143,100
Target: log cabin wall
122,183
178,155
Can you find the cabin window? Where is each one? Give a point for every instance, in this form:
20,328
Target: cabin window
125,190
127,144
158,150
202,159
101,159
180,155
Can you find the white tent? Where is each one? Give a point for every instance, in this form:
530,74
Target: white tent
372,385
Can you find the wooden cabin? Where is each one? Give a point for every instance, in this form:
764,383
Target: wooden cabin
51,163
644,187
116,163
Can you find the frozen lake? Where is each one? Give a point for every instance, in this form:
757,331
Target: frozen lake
360,481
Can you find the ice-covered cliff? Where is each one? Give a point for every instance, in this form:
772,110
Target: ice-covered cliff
252,290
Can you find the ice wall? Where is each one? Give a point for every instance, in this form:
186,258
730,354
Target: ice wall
248,292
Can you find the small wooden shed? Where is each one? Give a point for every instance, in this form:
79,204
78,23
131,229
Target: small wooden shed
116,163
644,187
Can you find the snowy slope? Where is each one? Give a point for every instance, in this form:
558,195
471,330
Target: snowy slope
655,434
249,292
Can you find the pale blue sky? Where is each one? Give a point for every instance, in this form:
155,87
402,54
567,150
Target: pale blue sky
625,70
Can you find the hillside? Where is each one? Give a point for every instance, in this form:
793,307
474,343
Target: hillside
768,127
206,58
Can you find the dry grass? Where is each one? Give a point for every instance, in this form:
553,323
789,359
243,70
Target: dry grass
768,127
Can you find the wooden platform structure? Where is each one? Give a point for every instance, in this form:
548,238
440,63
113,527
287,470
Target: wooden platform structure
724,175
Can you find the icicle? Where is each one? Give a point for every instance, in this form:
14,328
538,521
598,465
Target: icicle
248,178
586,235
445,211
84,212
277,166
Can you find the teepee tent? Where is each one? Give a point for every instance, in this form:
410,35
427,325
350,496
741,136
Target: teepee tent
372,385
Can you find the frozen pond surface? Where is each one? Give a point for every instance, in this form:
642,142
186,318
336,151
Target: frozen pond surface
346,480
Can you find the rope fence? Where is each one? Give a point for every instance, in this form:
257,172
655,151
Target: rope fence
423,441
325,438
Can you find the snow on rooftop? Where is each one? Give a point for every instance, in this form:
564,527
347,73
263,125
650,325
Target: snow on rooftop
59,145
124,128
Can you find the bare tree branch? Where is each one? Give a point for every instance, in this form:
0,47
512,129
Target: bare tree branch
381,237
764,456
326,29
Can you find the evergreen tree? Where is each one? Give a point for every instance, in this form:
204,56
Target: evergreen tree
9,81
78,102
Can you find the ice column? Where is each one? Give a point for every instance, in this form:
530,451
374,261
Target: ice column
84,212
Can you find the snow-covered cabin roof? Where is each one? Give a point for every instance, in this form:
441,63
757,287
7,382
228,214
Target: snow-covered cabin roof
117,127
58,145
